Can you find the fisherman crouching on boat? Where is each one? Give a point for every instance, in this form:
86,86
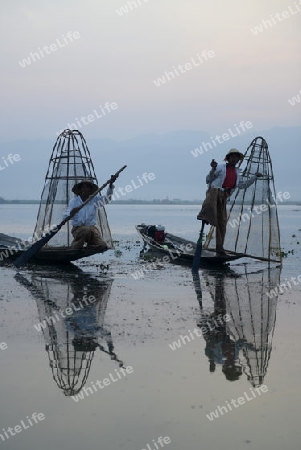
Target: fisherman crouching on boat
84,230
222,180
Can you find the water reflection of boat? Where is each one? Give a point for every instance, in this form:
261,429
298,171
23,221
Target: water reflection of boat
239,331
71,311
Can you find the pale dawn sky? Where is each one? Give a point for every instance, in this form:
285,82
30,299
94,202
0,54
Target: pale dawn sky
114,56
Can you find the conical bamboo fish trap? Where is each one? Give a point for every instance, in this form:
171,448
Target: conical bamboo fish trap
70,162
253,227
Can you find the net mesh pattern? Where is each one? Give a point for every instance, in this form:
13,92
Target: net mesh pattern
70,162
253,227
71,366
252,317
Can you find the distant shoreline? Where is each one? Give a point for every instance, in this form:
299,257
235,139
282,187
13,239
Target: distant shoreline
115,202
132,202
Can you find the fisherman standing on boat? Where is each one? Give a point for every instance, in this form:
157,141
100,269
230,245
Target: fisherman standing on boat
222,180
84,228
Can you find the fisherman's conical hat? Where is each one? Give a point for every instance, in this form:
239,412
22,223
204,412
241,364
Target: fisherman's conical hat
235,152
76,188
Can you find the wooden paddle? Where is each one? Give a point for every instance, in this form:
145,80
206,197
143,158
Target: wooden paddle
198,251
112,354
25,257
198,288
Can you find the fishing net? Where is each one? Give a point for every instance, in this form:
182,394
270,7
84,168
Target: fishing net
245,340
253,227
71,340
70,162
252,324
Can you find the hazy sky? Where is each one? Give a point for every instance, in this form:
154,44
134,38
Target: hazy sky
116,58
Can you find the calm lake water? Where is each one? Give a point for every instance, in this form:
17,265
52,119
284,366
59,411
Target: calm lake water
217,371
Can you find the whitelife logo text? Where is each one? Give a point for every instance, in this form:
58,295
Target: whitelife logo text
205,146
47,50
241,401
183,68
24,425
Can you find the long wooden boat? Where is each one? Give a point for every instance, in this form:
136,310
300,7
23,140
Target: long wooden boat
180,249
11,248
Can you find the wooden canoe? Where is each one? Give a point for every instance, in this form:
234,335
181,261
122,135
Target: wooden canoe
11,248
180,249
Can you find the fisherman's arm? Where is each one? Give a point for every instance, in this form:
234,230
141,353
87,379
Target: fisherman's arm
105,199
245,184
213,172
102,200
71,209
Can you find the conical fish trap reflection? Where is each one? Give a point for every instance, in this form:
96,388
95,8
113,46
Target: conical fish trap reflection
253,318
253,227
250,328
71,343
70,162
71,324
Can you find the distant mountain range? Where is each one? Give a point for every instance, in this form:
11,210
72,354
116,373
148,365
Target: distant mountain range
178,174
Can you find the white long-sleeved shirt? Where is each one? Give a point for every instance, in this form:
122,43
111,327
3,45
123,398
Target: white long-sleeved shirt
216,178
87,215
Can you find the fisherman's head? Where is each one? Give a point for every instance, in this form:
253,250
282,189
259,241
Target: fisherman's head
233,157
232,371
84,344
84,189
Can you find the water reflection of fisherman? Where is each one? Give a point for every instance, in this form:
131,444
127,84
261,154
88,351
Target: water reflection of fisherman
220,348
84,322
70,344
86,331
249,334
